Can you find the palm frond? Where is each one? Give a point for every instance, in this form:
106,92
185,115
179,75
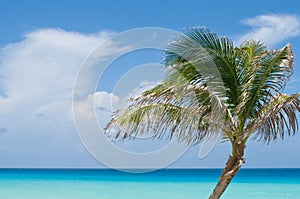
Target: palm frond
267,74
207,52
275,119
183,112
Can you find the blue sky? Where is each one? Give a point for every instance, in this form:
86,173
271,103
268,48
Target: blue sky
43,44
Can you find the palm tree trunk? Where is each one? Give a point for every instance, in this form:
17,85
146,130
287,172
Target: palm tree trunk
233,165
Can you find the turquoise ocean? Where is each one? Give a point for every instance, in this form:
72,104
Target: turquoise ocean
162,184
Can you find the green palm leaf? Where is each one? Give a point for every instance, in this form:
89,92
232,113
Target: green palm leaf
269,72
185,112
275,119
201,47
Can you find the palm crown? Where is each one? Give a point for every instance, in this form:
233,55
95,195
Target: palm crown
246,93
253,78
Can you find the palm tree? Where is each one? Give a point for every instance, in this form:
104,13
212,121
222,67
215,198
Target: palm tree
248,95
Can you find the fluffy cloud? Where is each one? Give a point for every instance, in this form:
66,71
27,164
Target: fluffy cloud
100,105
42,67
36,84
271,29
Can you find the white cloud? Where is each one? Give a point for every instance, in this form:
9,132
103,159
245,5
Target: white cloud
37,76
100,105
271,29
42,67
